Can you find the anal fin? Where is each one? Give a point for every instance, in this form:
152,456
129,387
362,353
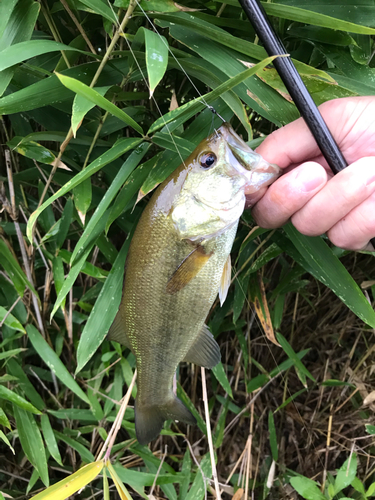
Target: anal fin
117,332
188,269
205,350
225,281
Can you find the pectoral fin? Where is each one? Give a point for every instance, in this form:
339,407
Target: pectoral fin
188,269
205,350
225,281
117,332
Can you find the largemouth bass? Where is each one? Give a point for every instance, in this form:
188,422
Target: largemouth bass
178,261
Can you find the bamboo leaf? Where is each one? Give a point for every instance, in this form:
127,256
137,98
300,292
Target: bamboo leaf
17,400
319,260
53,362
124,172
31,441
156,57
10,320
192,107
25,50
104,310
50,439
94,96
121,147
71,484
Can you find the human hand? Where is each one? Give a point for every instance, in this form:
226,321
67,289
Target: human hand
343,206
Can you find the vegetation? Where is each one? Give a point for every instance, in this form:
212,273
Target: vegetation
82,146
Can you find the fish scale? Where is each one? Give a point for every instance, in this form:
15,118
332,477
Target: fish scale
177,262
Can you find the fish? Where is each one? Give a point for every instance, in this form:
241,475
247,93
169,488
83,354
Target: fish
178,262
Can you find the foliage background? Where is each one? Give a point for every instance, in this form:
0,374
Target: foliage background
277,413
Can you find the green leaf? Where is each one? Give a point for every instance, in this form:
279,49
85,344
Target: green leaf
307,488
156,57
24,383
86,455
50,439
273,436
14,398
25,50
53,362
346,473
101,8
31,442
10,320
82,195
196,105
310,17
319,260
124,172
6,441
181,394
65,221
121,147
370,429
104,310
94,96
58,276
371,490
222,378
81,106
293,356
6,9
199,486
18,29
14,271
4,419
185,471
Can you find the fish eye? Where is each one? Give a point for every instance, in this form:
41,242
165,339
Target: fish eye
207,160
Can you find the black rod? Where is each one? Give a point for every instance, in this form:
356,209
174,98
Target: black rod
295,86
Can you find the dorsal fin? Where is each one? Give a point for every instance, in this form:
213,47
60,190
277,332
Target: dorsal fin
188,269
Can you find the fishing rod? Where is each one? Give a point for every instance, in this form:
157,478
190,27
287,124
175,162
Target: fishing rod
295,86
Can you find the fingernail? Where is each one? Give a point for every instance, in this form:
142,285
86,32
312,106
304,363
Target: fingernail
307,182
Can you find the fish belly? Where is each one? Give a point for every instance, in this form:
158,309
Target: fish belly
162,327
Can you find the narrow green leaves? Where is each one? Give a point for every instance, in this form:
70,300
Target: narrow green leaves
31,441
25,50
124,172
17,400
94,96
319,260
53,362
104,310
121,147
192,107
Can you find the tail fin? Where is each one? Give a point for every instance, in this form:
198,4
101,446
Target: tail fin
149,420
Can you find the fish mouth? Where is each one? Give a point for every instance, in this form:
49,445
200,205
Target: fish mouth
257,171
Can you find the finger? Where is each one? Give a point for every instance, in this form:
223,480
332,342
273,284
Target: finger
357,228
340,195
294,143
289,194
253,198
